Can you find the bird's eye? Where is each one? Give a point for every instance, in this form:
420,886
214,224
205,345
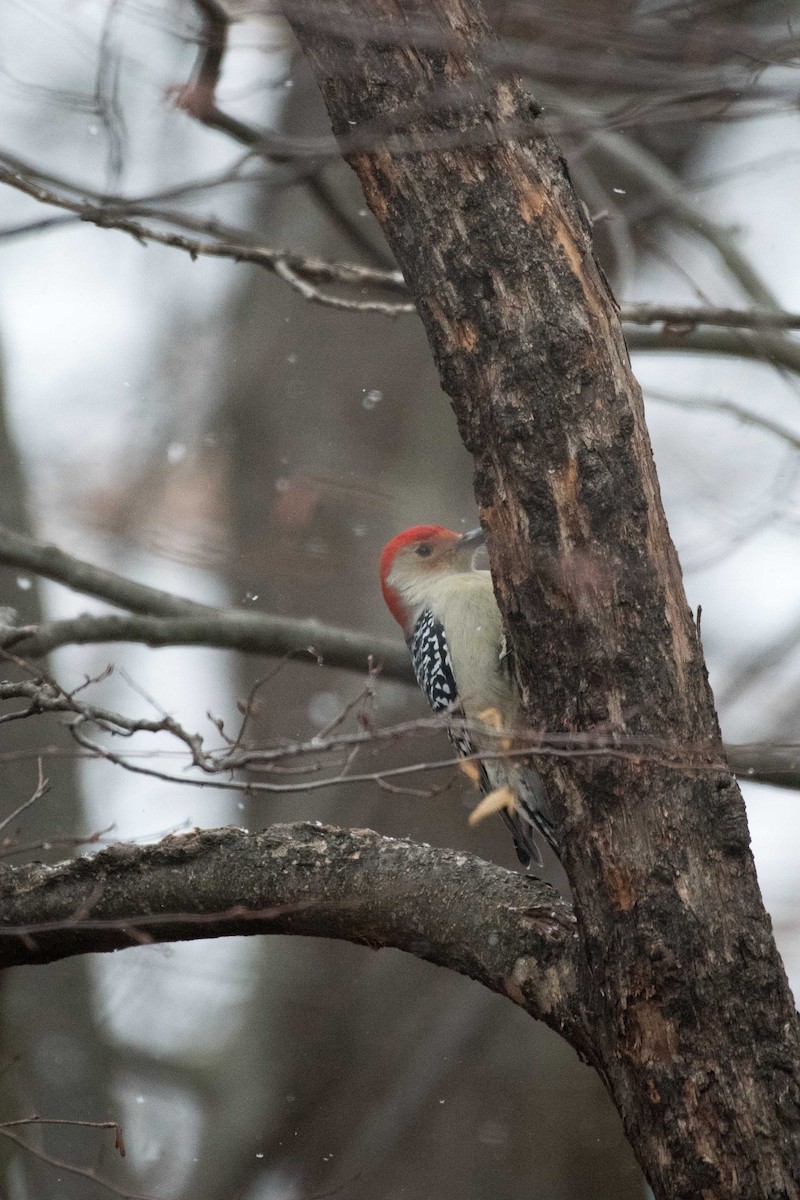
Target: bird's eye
423,550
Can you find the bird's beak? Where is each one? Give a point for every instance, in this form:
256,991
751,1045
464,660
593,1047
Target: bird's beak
473,539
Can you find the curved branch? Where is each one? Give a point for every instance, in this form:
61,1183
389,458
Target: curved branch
513,934
49,561
164,619
199,100
288,267
303,273
669,190
770,349
687,316
251,633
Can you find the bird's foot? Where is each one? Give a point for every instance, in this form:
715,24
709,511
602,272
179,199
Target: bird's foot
501,798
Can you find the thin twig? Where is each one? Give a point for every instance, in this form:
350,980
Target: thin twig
45,695
64,1165
41,788
119,1140
247,632
543,751
688,317
304,273
167,619
728,408
275,261
309,292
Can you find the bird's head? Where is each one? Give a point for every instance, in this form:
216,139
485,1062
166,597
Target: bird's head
415,559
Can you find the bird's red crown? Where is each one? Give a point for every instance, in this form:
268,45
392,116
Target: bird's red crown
435,535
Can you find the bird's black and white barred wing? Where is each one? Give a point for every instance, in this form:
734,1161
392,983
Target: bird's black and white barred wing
431,661
434,671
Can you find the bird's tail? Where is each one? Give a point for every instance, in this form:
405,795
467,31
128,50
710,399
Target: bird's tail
534,810
528,852
531,812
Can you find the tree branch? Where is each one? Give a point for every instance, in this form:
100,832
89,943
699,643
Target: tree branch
730,408
167,620
62,1164
47,560
288,267
670,192
687,316
199,99
304,273
513,934
760,347
186,623
251,633
763,762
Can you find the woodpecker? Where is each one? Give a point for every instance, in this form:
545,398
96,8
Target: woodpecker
452,625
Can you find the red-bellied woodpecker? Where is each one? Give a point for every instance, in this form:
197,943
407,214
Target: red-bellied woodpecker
453,628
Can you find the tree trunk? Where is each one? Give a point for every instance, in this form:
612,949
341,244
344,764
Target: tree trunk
694,1027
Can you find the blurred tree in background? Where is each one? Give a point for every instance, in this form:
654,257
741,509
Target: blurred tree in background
218,430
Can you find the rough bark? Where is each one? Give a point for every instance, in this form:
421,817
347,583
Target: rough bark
513,934
693,1025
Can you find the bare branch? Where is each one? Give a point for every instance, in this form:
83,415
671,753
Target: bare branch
687,317
145,203
513,934
762,762
303,273
760,347
173,620
41,787
63,1164
671,194
47,560
731,409
310,292
248,632
209,66
198,98
551,49
119,1140
150,206
272,260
